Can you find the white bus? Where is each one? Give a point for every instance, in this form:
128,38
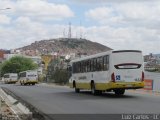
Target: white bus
10,78
28,77
108,71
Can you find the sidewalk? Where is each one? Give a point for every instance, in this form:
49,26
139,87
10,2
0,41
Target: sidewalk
53,85
143,91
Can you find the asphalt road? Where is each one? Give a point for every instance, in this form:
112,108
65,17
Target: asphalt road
63,100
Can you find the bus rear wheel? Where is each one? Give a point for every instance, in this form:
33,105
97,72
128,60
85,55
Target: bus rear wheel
119,91
77,90
21,83
93,89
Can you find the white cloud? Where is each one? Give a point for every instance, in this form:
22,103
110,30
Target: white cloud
103,15
143,39
107,1
26,32
4,19
140,11
129,13
100,13
43,9
38,9
131,25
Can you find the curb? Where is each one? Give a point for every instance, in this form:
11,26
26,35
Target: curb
21,111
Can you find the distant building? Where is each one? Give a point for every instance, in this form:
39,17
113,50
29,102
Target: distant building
2,54
36,59
31,52
156,56
14,51
8,56
152,61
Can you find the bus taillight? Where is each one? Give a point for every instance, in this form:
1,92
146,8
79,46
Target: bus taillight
142,76
112,77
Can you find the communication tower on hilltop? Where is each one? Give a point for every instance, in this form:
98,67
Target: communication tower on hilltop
69,31
64,34
80,30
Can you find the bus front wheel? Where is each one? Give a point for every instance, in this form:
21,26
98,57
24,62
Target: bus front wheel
77,90
119,91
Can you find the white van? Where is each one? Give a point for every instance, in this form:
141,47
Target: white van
28,77
10,78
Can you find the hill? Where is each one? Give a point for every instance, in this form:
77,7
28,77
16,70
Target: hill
65,46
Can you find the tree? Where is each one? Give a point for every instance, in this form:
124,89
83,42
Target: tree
60,76
17,64
57,72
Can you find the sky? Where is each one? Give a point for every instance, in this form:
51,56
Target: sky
118,24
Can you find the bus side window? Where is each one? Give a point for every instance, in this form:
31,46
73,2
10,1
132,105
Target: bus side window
74,67
98,65
69,68
88,65
83,67
94,64
105,63
80,67
101,64
77,67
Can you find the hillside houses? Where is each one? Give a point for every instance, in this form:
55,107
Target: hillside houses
152,62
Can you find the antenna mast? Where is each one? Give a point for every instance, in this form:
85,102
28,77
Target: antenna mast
70,31
80,30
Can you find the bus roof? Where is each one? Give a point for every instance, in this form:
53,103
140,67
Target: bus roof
104,53
29,71
119,51
10,73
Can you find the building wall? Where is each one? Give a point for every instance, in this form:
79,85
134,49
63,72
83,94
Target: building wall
2,54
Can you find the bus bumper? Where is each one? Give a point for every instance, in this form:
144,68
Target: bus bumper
12,82
110,85
29,81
